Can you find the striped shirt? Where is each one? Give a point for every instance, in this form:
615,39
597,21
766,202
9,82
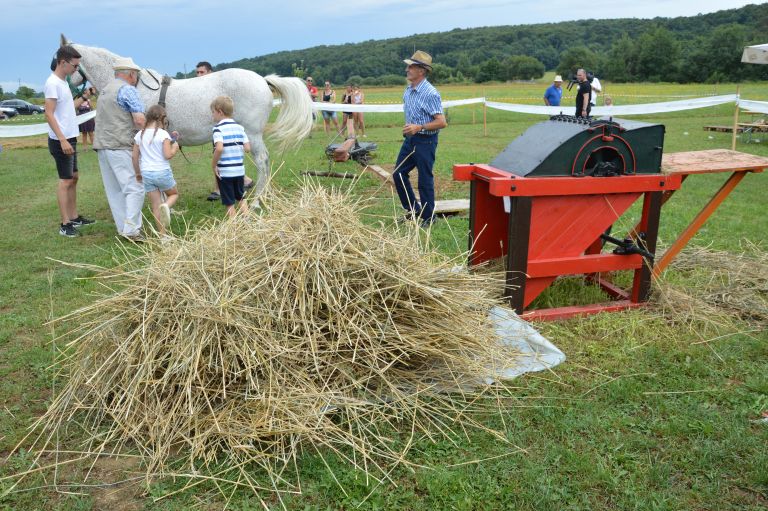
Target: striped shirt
421,104
233,136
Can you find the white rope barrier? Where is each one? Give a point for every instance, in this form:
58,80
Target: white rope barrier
28,130
389,107
753,106
645,108
641,109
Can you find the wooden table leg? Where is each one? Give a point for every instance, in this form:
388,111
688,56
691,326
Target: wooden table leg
697,222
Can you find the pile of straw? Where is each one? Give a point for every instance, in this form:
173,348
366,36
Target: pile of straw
253,339
726,287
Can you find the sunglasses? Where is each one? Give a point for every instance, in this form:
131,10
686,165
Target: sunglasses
76,66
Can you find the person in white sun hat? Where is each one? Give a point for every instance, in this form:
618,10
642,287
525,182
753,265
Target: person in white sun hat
119,116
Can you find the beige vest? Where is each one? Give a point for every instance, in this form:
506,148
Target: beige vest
115,128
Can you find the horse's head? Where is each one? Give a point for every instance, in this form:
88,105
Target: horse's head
95,65
77,79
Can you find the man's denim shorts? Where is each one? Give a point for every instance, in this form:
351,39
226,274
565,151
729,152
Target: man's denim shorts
158,180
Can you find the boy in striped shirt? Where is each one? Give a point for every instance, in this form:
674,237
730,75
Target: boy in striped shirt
229,145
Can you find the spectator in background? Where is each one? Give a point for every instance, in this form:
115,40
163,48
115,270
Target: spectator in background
348,119
358,98
329,96
203,68
312,94
596,89
554,92
583,95
86,128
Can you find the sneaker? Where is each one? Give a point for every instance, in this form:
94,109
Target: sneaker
81,221
408,217
68,230
165,215
135,238
213,196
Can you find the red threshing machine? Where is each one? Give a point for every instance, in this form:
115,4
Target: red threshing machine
548,202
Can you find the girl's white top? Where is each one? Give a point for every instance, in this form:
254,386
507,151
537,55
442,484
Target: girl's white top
151,157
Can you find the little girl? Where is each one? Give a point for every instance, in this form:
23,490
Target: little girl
152,148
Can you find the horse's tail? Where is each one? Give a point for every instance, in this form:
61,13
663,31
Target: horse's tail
294,122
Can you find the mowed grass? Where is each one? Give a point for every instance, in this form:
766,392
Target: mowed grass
642,415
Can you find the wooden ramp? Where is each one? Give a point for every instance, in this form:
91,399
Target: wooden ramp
723,129
381,173
451,207
442,207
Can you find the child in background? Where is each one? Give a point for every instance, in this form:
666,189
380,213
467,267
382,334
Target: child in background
153,147
230,143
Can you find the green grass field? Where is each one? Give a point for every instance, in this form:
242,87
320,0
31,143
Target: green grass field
642,415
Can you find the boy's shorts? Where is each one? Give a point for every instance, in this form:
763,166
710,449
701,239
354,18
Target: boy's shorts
66,164
231,189
161,180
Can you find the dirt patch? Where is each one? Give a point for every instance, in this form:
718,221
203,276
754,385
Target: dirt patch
36,142
125,496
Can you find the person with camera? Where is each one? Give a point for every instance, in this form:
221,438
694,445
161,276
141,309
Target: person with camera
583,95
60,114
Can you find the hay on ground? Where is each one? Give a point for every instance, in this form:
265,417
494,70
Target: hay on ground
259,337
721,287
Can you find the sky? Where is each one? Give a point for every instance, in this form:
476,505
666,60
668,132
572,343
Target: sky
173,35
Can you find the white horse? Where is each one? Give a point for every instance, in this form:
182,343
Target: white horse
188,103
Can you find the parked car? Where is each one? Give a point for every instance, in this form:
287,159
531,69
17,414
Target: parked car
23,107
7,112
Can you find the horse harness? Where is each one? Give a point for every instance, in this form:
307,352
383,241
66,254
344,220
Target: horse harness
164,84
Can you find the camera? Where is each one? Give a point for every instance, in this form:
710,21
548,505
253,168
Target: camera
573,80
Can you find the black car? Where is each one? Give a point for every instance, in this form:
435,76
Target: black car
23,107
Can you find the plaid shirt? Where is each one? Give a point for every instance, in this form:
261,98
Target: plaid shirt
421,104
129,100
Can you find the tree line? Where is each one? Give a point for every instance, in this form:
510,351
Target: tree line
702,48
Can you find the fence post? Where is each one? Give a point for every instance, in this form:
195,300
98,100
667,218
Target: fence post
735,121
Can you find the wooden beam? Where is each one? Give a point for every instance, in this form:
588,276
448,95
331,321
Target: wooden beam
381,173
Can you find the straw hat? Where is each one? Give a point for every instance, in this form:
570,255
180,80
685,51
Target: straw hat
420,58
126,63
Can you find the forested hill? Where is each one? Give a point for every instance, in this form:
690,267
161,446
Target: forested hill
699,48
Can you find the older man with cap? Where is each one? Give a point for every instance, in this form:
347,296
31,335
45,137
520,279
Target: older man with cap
554,92
119,116
423,120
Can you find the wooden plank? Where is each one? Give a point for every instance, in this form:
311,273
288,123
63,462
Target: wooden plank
754,126
711,161
447,207
319,173
722,129
381,174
